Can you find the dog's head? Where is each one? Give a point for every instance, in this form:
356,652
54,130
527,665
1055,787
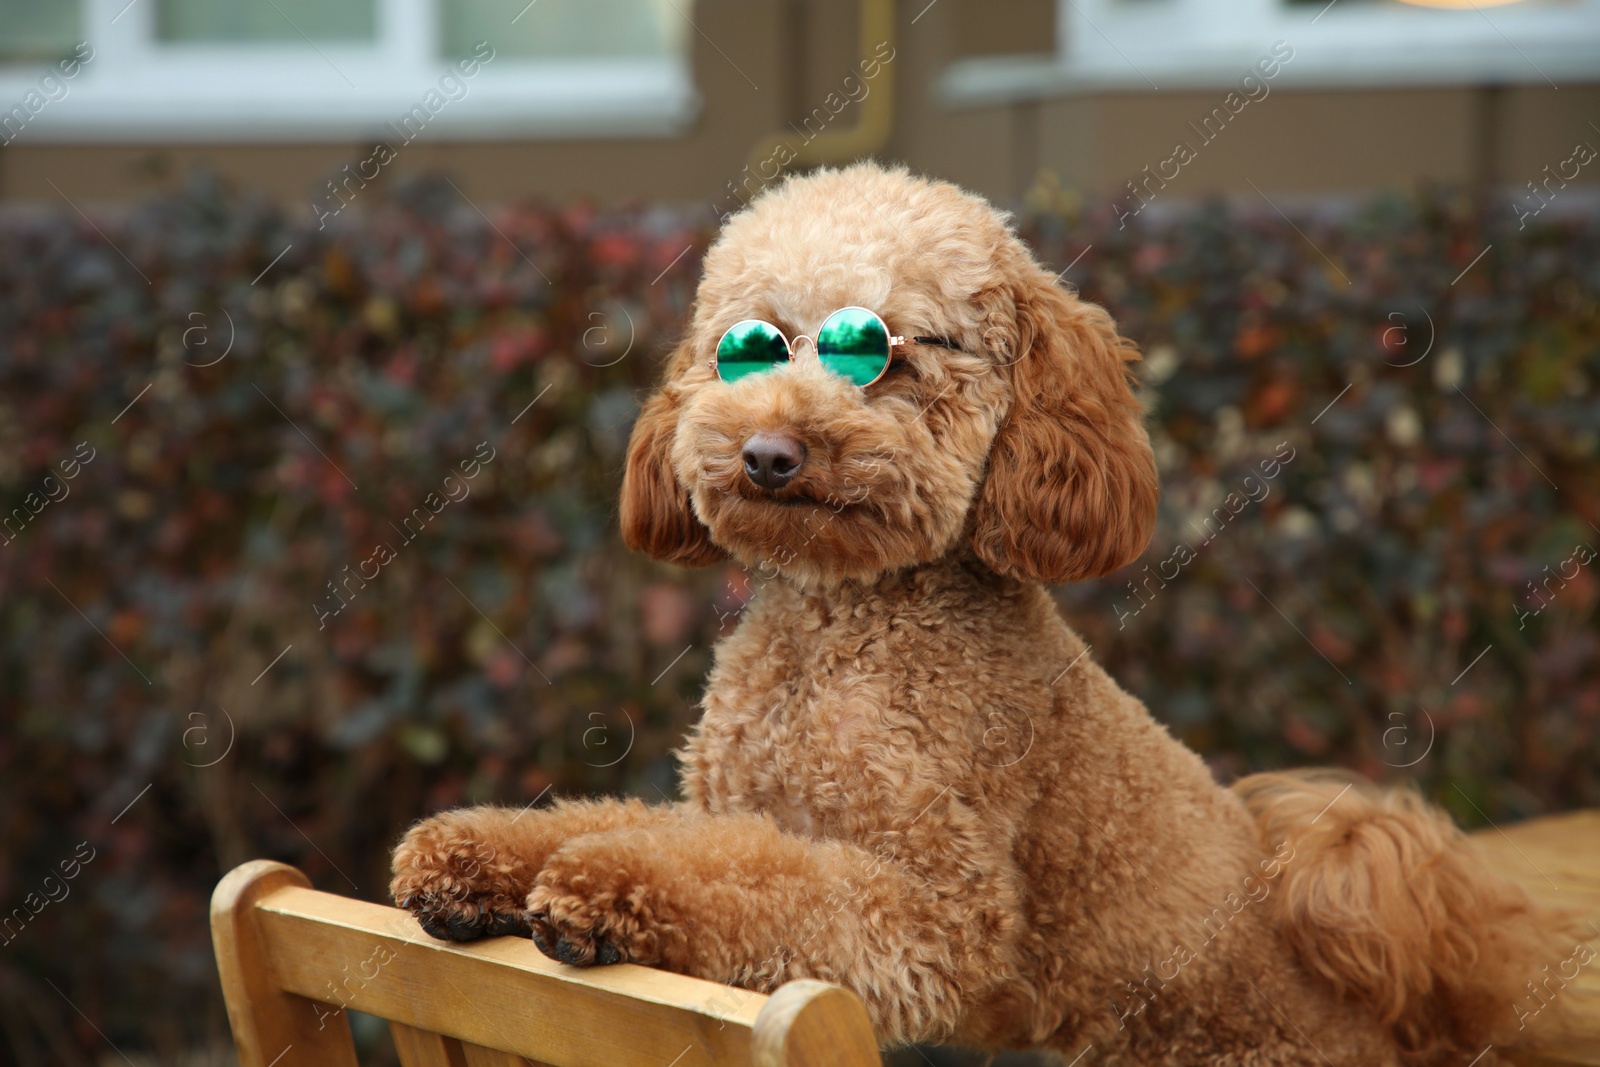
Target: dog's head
1009,429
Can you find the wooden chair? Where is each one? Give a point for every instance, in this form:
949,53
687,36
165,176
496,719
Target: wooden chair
293,958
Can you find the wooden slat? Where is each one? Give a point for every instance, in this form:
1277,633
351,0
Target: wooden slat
419,1048
501,993
270,1026
1557,859
478,1056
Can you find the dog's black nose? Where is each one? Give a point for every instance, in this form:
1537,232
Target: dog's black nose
772,459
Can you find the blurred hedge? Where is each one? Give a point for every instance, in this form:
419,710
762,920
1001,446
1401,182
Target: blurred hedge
513,646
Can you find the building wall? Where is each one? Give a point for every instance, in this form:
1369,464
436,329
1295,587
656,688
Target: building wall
797,51
1321,142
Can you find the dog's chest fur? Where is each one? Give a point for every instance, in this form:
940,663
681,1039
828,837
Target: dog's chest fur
839,707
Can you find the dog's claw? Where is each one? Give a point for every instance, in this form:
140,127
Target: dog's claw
569,953
506,925
544,938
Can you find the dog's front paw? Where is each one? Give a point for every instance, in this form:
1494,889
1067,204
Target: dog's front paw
457,882
601,900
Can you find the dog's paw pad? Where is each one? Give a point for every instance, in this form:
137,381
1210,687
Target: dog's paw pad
573,945
465,919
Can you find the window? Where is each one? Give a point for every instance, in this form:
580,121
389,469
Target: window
1148,44
345,69
652,28
35,31
239,21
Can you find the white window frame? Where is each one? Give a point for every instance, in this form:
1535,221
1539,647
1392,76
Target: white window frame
139,89
1144,45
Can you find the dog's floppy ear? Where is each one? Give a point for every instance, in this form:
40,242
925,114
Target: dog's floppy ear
655,513
1071,488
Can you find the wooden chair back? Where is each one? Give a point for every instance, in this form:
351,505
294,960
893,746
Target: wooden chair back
293,959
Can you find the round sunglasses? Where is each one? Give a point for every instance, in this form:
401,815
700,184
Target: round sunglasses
853,343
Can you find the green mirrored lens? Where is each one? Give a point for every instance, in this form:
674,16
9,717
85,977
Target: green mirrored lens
750,347
854,344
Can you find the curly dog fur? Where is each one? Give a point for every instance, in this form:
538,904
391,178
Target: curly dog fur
909,778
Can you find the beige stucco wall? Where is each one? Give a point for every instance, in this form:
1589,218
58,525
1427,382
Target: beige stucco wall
1294,141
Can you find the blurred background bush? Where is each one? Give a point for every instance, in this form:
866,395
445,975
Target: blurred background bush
178,692
309,451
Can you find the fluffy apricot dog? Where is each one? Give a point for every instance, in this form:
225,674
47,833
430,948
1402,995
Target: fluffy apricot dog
909,778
